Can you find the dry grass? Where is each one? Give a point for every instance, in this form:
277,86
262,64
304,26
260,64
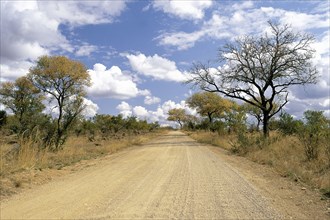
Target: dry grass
285,154
28,157
212,138
25,165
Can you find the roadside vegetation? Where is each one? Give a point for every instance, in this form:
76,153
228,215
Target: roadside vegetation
33,137
296,149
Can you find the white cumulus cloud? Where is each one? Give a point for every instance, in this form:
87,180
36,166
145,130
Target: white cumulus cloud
156,67
140,112
91,108
112,83
30,29
124,109
183,9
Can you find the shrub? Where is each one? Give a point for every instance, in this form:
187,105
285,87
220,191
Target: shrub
314,132
287,125
240,144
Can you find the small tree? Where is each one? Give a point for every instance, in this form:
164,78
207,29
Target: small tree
210,105
24,100
178,115
64,81
236,119
259,70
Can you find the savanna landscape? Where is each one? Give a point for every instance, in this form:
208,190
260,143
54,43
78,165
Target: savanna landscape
232,150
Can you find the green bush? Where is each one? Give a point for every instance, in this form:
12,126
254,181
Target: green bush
314,132
287,125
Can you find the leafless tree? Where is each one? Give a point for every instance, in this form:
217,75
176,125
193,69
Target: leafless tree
259,69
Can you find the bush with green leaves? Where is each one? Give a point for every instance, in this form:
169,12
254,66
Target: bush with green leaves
241,143
288,125
314,132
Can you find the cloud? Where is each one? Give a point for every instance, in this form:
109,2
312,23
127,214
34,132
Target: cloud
78,13
112,83
14,69
181,40
149,100
157,67
27,30
86,50
315,95
303,21
183,9
140,112
242,5
237,22
297,106
30,29
90,109
124,109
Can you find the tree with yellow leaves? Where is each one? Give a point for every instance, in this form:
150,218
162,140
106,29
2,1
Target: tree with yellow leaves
178,115
209,104
64,81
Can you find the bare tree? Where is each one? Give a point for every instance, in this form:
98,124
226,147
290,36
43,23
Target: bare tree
259,69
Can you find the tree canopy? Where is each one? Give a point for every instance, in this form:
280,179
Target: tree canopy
23,99
178,115
210,105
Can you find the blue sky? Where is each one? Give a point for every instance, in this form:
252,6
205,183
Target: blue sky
138,53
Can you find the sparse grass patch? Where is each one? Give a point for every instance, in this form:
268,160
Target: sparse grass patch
212,138
286,154
25,156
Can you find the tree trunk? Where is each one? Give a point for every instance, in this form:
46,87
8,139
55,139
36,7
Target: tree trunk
210,117
180,124
265,124
258,124
59,131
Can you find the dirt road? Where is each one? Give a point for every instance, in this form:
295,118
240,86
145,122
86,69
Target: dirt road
171,177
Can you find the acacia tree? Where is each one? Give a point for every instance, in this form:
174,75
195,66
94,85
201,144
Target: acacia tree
23,99
178,115
259,69
208,104
64,81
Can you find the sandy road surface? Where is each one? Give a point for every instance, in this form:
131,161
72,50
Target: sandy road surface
171,177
